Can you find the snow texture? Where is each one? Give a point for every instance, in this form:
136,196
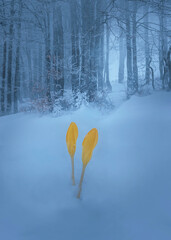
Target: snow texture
127,186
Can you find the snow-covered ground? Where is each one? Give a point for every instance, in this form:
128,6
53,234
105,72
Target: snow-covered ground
127,187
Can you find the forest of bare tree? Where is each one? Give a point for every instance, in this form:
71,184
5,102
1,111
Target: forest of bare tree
57,53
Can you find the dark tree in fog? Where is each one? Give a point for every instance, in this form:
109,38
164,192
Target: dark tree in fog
10,55
130,87
17,63
4,58
146,42
162,41
134,46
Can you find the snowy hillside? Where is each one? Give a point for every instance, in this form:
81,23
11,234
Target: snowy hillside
127,186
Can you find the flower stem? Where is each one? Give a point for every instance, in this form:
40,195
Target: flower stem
81,181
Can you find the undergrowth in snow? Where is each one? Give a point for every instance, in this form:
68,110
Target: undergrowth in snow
126,191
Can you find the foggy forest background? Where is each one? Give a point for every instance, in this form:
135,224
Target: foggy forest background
57,54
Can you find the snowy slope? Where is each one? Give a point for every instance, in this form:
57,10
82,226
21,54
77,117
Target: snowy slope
127,187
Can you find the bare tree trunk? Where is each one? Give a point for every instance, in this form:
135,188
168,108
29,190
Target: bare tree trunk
122,44
60,85
85,46
101,59
10,52
30,87
130,89
17,70
3,77
108,85
40,73
75,42
169,67
147,50
4,63
122,54
48,62
162,42
134,46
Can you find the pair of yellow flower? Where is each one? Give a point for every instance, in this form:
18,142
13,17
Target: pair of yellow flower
88,146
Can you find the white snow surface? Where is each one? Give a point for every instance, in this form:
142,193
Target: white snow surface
127,186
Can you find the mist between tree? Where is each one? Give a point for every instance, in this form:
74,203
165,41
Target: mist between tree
56,55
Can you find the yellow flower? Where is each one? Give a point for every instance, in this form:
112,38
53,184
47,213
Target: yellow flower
71,138
88,145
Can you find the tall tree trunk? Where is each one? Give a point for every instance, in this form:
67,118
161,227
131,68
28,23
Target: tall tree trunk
122,54
75,42
147,50
17,70
55,52
169,67
30,70
130,88
134,47
40,72
85,46
83,49
60,85
101,59
108,85
4,63
3,77
122,43
48,62
162,42
10,53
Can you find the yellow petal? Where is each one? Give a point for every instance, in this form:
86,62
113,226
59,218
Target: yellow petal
71,138
88,145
